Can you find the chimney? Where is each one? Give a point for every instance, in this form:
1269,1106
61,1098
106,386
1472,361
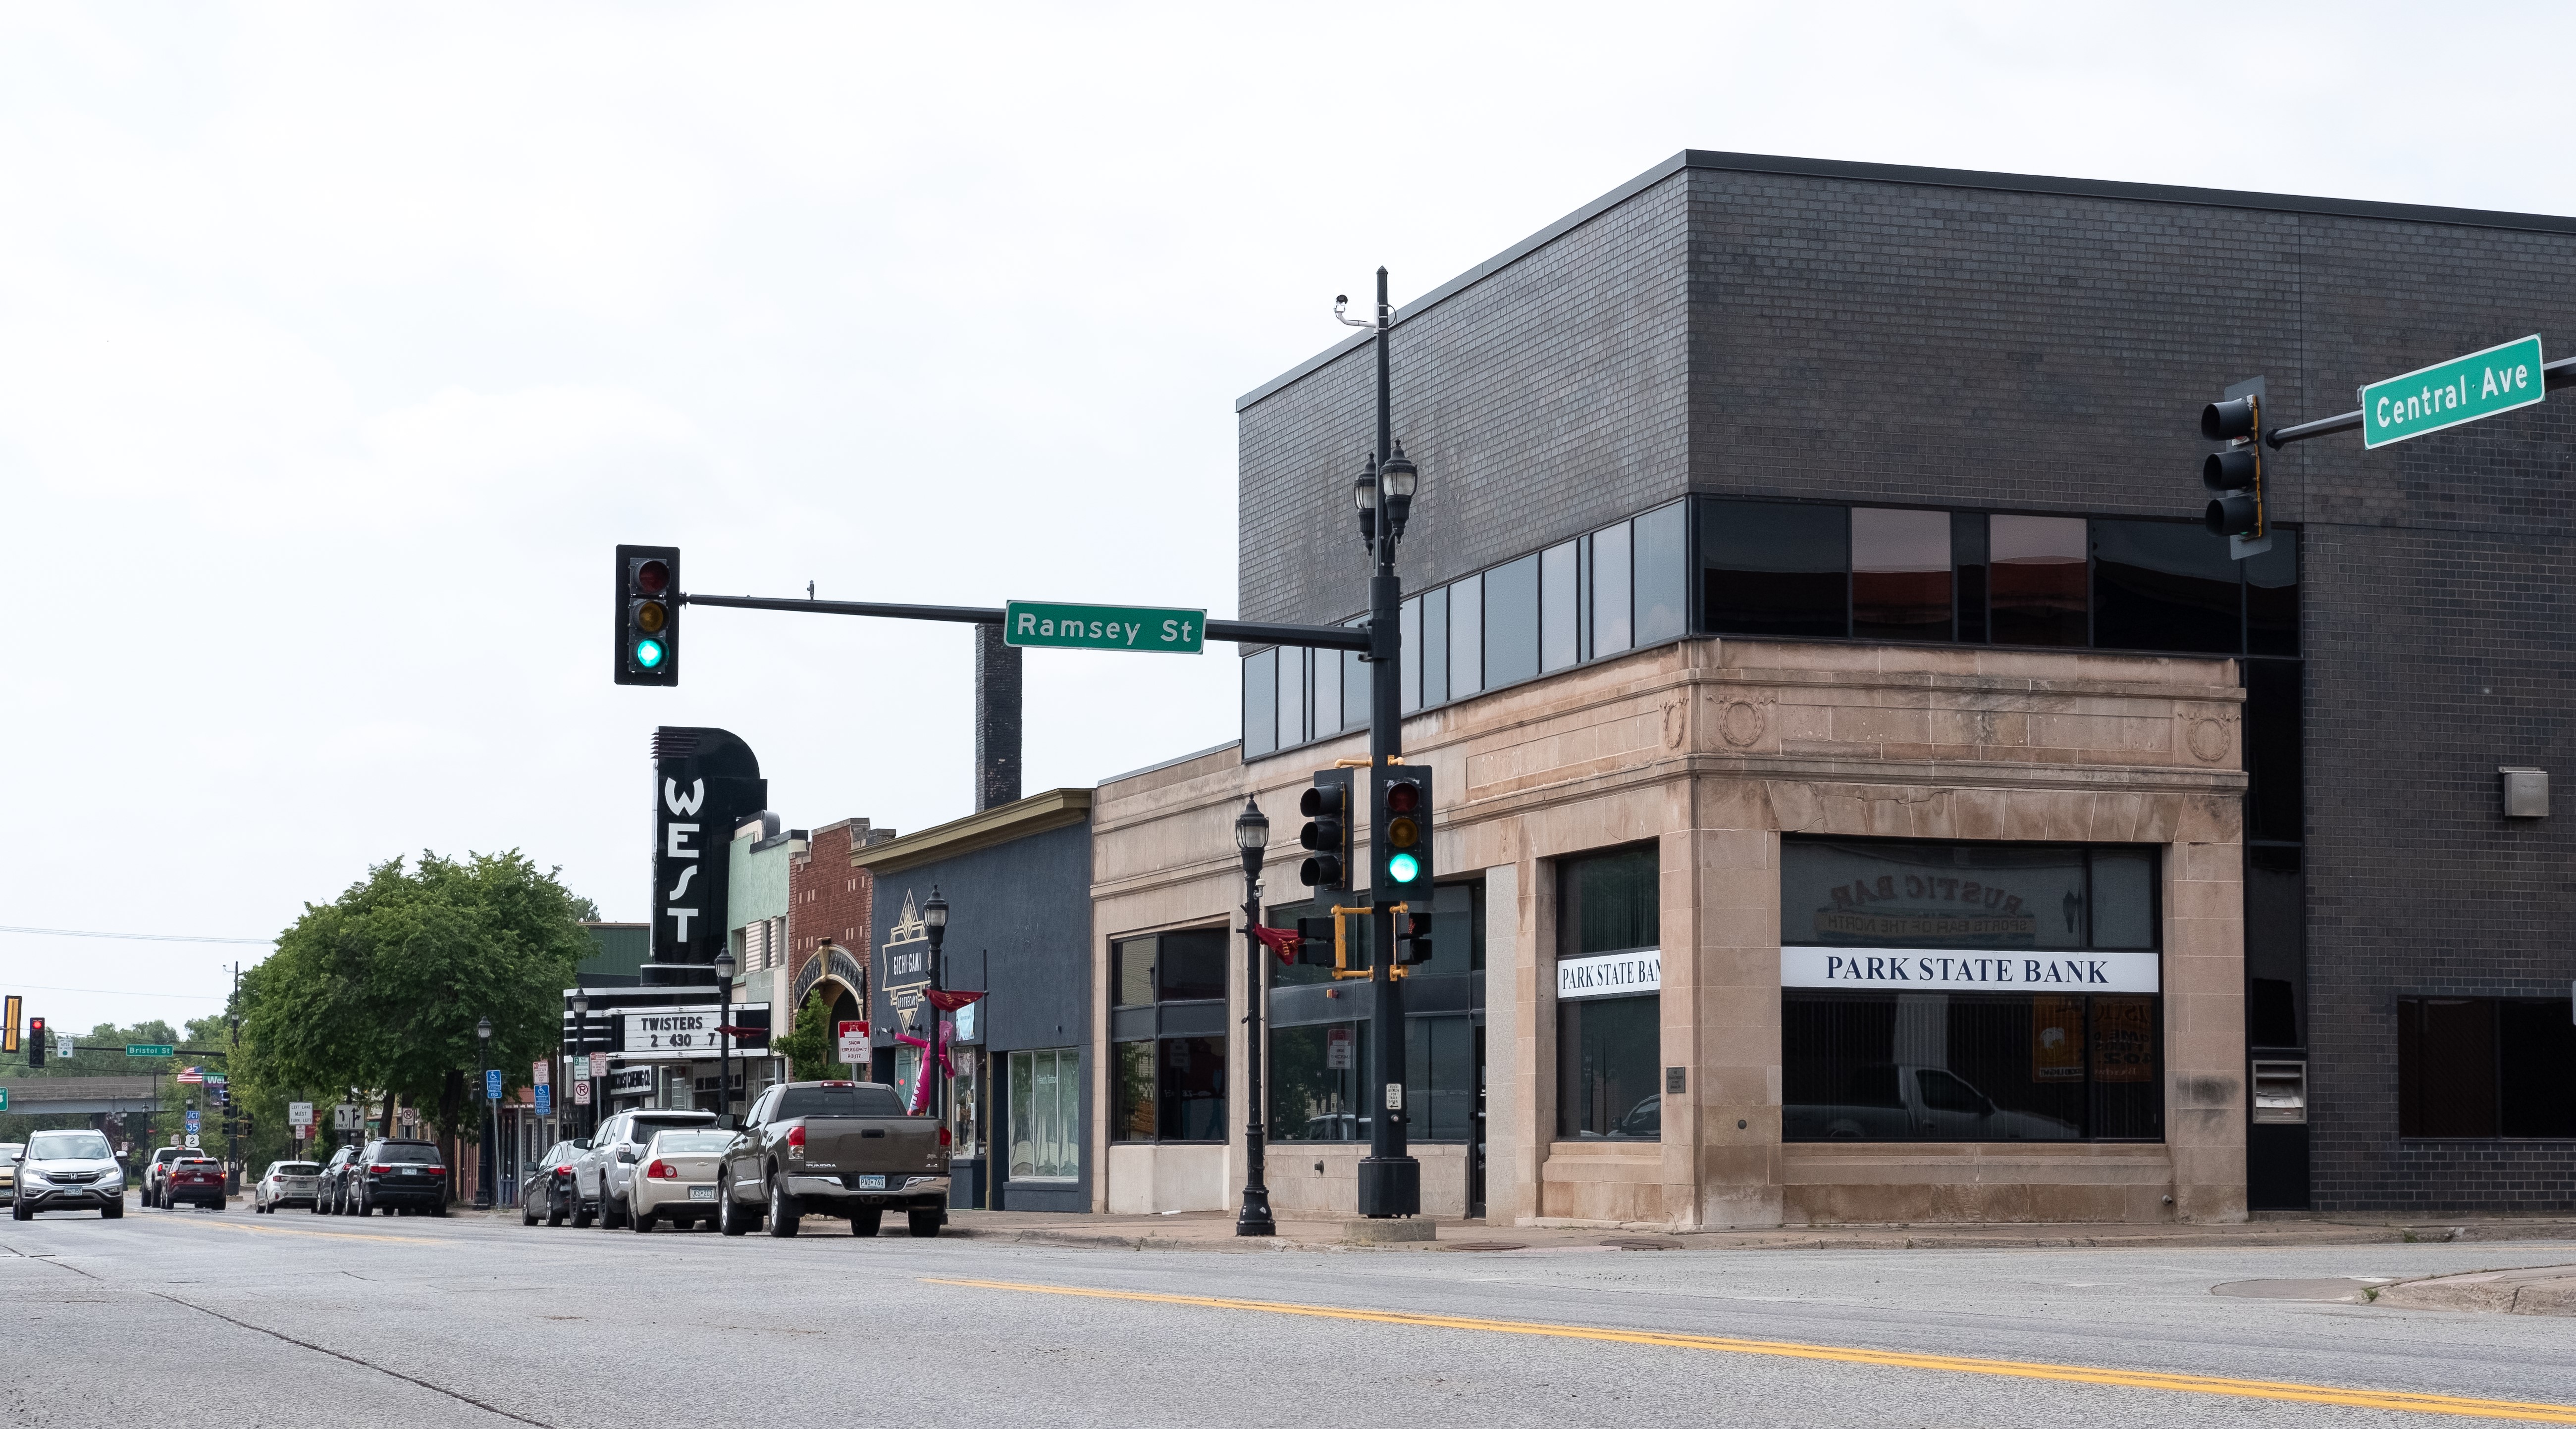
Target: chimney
997,720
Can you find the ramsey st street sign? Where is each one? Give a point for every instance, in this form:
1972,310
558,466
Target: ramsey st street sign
2446,394
1052,625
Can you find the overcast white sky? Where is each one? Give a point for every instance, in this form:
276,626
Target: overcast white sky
339,345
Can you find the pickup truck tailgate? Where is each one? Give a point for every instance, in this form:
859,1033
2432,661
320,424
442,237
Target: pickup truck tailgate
889,1146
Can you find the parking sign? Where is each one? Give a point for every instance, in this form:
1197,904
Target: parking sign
492,1085
545,1101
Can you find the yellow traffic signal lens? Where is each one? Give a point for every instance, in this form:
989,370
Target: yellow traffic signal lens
1402,833
651,616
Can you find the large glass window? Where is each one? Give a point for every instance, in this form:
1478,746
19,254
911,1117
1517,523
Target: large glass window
1172,1089
1560,610
1466,637
1900,583
1662,577
2164,585
1355,689
2482,1067
1261,703
1131,1078
1609,1037
1183,966
1317,1077
1610,591
1774,568
1511,622
1435,646
1328,666
2272,598
1969,991
1292,695
2035,580
1046,1115
1968,566
1408,621
2273,759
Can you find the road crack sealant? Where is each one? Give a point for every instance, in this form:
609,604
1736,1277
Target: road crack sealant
461,1398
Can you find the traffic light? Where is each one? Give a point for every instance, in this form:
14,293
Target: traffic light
1315,942
9,1023
1401,832
1412,939
648,615
35,1041
1327,835
2236,472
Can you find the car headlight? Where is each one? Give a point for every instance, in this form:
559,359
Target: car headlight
39,1177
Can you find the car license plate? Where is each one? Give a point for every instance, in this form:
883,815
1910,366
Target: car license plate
702,1193
872,1183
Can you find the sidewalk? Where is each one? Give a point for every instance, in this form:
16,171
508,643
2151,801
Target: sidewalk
1214,1230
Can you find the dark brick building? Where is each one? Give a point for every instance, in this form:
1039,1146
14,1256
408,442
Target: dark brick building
1779,342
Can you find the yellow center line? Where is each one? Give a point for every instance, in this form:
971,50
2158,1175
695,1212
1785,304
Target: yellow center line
281,1230
1898,1359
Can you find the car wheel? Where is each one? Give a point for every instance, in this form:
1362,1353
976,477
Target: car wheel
18,1211
923,1224
113,1210
784,1212
612,1214
867,1222
731,1218
583,1215
556,1210
439,1210
527,1211
640,1221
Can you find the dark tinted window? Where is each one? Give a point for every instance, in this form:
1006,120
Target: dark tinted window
1769,568
1608,903
1900,574
1968,553
2035,586
1190,1089
2272,598
1662,575
643,1128
2535,1053
297,1168
1131,1089
2485,1067
1609,1060
2274,783
2164,585
1190,965
1897,1066
1131,972
1610,591
1357,929
403,1151
1511,622
2276,973
867,1100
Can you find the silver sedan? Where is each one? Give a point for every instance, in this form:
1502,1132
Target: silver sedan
675,1179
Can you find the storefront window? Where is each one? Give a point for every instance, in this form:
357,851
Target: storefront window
1046,1115
1969,991
2480,1067
1131,1076
1774,568
1316,1079
1609,1009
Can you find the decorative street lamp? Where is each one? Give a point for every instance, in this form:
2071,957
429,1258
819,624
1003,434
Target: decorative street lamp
1252,836
934,920
724,1020
483,1171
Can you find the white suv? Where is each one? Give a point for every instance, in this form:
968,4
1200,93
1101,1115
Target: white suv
606,1166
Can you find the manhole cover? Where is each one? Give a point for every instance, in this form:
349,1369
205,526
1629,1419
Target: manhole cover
1638,1242
1486,1245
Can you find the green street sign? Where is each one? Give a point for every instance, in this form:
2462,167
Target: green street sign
149,1049
4,1098
1048,625
2446,394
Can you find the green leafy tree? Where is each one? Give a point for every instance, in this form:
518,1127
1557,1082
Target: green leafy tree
382,988
808,1045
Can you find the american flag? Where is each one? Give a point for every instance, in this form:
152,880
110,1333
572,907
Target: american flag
190,1076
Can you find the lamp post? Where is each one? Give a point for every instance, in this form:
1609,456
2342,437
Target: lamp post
1390,1179
1252,836
483,1167
724,1019
934,920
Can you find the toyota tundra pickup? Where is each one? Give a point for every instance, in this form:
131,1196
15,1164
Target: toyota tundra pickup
843,1149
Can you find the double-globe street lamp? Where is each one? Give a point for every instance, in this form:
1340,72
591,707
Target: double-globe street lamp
483,1171
1252,836
934,921
724,967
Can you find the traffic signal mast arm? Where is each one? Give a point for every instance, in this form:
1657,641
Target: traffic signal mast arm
1246,632
2553,375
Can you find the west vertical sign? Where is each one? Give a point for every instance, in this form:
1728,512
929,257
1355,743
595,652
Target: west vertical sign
2448,394
706,783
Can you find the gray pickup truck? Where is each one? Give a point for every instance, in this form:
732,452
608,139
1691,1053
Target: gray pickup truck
832,1149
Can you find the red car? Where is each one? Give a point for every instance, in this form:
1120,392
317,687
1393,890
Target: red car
193,1181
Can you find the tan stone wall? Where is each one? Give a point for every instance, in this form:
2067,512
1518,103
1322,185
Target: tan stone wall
1712,750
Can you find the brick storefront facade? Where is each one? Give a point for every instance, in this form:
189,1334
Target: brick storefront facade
828,899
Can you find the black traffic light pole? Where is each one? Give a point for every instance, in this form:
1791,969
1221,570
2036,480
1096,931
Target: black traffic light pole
2553,375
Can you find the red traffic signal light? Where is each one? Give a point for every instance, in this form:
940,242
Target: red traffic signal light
35,1041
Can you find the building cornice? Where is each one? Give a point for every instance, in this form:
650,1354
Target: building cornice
1036,814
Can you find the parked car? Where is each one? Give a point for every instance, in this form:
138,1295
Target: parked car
546,1190
397,1174
834,1149
675,1180
10,1152
156,1172
195,1179
331,1184
607,1165
67,1171
1894,1102
285,1183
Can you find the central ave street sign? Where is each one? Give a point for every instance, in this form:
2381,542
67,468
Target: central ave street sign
150,1049
1049,625
2447,394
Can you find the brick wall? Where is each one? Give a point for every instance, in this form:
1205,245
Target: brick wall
826,897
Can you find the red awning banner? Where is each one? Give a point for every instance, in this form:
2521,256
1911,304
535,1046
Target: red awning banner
1278,940
948,999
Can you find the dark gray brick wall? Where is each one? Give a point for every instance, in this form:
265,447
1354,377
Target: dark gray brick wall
1853,336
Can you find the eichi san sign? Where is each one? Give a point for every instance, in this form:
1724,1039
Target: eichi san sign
1052,625
2446,394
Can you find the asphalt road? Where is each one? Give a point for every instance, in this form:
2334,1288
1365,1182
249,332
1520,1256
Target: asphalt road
297,1320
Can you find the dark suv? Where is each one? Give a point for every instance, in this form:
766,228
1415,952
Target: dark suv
331,1187
408,1176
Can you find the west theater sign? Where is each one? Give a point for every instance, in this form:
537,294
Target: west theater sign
706,783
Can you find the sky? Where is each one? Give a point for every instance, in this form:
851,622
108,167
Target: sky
339,346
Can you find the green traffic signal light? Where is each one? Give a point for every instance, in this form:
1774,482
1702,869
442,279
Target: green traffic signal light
1404,868
648,653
